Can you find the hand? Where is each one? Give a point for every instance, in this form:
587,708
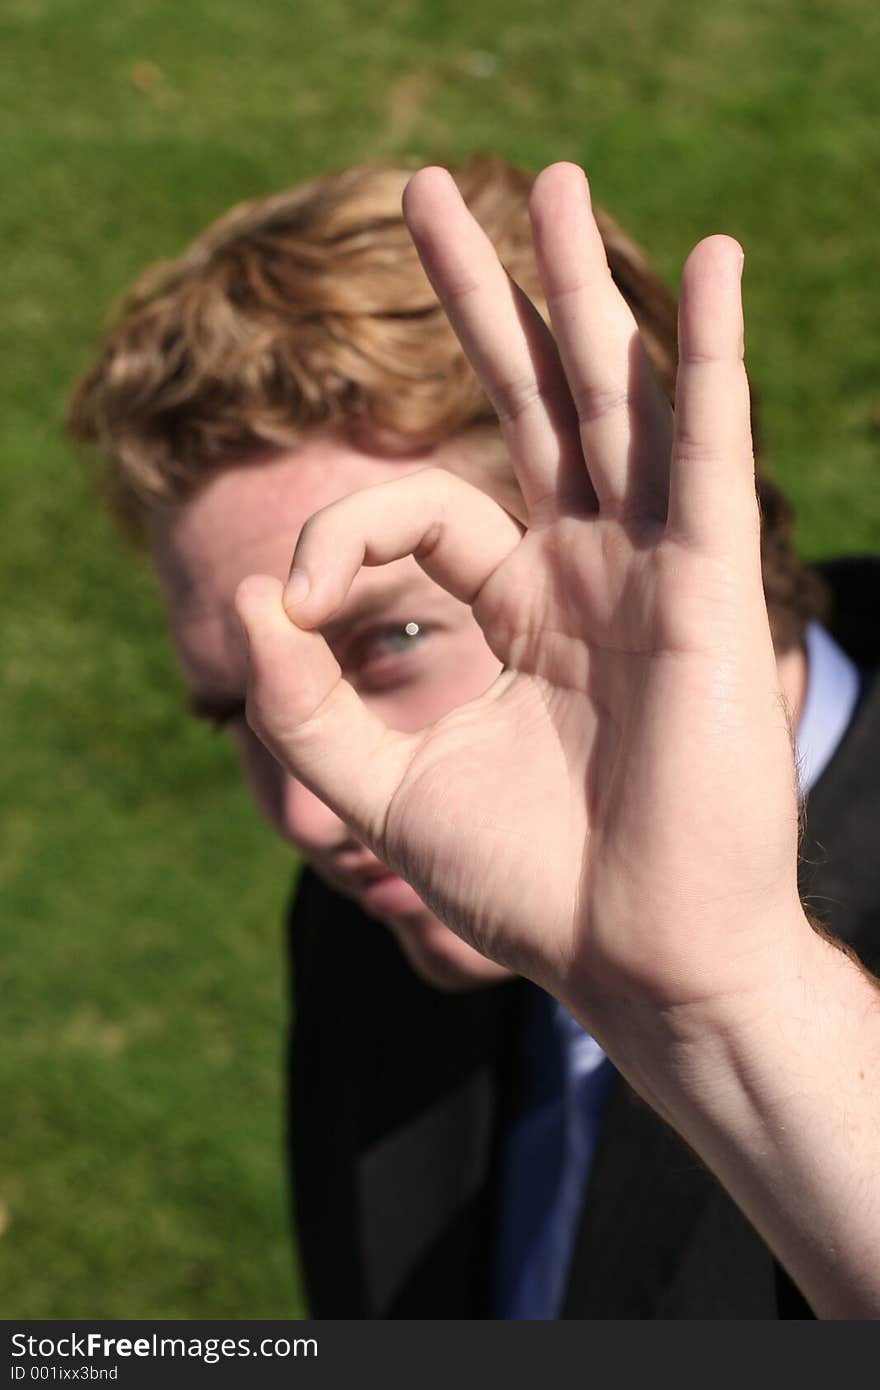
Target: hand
616,816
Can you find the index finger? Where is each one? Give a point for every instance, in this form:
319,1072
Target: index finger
506,341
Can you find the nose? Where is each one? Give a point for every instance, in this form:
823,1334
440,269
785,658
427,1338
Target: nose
307,822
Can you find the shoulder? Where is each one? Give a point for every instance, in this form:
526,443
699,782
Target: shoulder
853,582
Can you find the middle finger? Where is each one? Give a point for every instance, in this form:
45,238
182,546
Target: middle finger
625,420
507,343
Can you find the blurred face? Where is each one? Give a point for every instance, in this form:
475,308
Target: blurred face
411,651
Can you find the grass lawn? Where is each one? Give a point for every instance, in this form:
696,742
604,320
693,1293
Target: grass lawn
141,967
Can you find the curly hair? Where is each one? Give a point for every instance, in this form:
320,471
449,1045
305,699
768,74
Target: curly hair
309,309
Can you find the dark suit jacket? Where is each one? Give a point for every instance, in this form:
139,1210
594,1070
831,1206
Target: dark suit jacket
399,1096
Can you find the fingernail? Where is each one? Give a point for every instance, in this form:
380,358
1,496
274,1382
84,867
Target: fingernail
297,587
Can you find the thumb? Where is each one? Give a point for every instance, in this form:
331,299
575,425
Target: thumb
312,720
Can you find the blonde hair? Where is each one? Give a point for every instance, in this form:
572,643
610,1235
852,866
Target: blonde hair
309,309
302,310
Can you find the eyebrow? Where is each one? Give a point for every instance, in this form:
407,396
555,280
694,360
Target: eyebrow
216,709
373,603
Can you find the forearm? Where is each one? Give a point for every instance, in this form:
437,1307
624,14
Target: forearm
779,1096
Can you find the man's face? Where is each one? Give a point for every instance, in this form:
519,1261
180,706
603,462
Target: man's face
411,650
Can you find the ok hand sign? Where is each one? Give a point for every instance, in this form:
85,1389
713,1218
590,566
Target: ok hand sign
616,816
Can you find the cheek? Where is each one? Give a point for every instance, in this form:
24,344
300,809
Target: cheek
467,668
262,776
442,959
467,677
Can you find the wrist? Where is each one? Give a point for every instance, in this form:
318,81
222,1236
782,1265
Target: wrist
697,1048
775,1094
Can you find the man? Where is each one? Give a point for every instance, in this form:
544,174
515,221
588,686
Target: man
459,1150
641,863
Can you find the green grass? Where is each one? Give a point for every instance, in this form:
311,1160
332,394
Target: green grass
140,1169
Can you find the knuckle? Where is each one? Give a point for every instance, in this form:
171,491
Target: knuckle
252,712
691,452
695,355
594,402
459,290
513,398
565,288
308,530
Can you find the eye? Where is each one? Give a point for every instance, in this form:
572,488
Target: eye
223,722
220,712
394,640
400,639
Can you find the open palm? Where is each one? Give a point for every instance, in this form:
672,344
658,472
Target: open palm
587,818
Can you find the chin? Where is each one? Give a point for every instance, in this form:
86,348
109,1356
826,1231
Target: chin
441,958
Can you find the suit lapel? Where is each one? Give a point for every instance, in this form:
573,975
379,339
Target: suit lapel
645,1195
840,867
394,1109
